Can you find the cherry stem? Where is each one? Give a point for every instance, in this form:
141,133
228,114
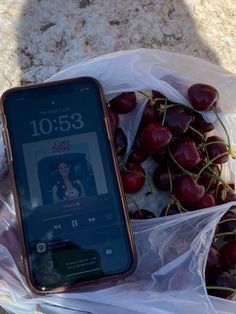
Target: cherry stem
223,126
226,220
211,162
176,162
197,132
215,176
214,142
167,209
164,115
220,288
170,179
221,234
144,94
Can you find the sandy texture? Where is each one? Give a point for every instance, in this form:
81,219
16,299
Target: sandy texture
39,37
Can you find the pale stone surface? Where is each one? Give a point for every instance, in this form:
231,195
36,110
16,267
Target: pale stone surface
39,37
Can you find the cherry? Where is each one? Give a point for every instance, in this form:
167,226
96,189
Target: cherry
207,178
187,190
113,118
155,138
228,254
142,214
224,195
200,124
137,155
216,149
178,119
150,114
162,177
133,178
120,141
203,96
206,201
185,152
123,103
213,258
219,277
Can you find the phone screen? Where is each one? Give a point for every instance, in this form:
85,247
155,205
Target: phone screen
71,210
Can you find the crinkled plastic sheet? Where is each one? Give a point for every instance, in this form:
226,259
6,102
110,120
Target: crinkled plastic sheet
172,251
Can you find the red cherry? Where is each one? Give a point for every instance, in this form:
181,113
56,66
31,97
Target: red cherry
200,124
113,118
133,179
185,153
203,96
216,149
162,177
228,254
178,119
150,115
137,155
123,103
155,138
206,178
206,201
188,191
142,214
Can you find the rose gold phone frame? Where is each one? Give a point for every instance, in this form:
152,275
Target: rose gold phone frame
85,285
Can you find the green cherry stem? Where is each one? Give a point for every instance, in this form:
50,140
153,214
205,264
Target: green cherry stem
164,114
211,162
226,220
223,126
222,234
197,132
144,94
215,176
221,288
170,179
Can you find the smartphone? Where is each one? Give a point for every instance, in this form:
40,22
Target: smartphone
69,201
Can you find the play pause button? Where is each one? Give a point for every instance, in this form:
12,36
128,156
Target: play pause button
74,223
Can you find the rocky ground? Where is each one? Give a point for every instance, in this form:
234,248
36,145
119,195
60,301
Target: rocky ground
39,37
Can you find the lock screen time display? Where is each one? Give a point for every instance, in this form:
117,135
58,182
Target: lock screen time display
73,223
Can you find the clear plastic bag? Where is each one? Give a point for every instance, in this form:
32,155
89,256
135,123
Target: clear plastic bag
172,251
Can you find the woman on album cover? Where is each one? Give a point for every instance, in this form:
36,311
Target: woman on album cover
67,188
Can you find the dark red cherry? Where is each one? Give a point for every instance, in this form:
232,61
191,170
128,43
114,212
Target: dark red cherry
207,177
217,148
113,118
178,119
120,141
213,258
206,201
142,214
203,96
185,153
155,138
188,191
200,124
228,254
137,155
150,114
133,178
123,103
162,177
